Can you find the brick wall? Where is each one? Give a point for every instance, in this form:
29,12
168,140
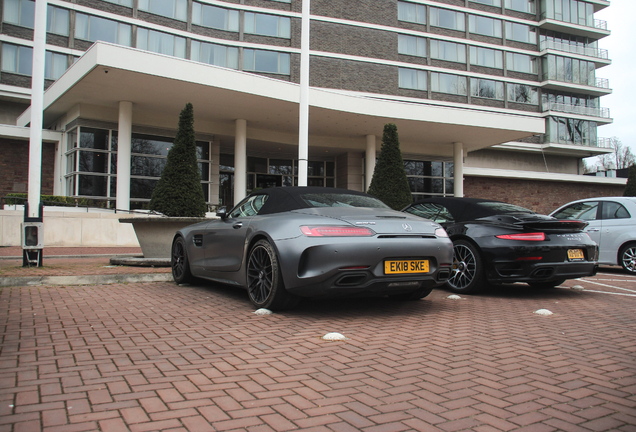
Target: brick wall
14,167
540,196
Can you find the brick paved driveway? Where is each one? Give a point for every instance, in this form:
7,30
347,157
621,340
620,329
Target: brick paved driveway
154,356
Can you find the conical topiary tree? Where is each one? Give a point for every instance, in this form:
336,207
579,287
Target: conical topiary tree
179,192
389,182
630,188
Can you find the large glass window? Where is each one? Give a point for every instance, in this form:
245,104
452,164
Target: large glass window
57,20
447,83
448,51
488,2
92,28
177,9
413,79
489,89
486,57
265,61
162,43
412,45
484,26
411,12
521,63
571,131
20,12
429,178
214,54
448,19
521,5
215,17
17,59
521,33
267,25
569,70
54,65
521,93
571,11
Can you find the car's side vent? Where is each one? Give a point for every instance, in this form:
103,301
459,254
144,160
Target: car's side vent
198,240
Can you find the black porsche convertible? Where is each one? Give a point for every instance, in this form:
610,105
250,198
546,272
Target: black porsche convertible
498,243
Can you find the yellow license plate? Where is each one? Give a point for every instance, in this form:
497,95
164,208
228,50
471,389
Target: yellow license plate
575,254
405,266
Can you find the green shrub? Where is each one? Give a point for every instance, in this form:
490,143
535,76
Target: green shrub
630,188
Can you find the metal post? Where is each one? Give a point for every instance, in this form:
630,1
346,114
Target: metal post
303,126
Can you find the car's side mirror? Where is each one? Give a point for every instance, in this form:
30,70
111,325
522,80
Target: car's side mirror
222,212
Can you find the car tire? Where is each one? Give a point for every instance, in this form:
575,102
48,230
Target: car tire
413,295
264,280
627,258
546,284
467,275
179,262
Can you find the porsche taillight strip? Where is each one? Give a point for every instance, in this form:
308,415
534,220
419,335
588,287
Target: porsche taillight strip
538,236
336,231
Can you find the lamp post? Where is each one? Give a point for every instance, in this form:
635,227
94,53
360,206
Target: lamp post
303,124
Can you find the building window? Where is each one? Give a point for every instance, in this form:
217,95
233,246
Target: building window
484,26
527,6
267,25
127,3
571,131
488,89
265,61
19,12
54,65
413,79
520,93
411,12
570,70
521,63
177,9
448,51
521,33
486,57
488,2
214,54
92,28
571,11
162,43
447,83
17,59
411,45
57,20
428,179
215,17
448,19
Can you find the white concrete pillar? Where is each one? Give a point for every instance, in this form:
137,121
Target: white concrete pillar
303,118
458,165
240,161
124,148
369,160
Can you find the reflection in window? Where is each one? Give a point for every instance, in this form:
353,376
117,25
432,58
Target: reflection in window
411,45
521,63
94,28
571,131
265,61
215,17
486,89
162,43
177,9
448,19
448,51
582,211
447,83
428,178
411,12
413,79
486,57
432,211
217,55
521,93
267,25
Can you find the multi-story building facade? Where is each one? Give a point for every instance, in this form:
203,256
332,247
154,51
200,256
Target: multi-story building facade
494,98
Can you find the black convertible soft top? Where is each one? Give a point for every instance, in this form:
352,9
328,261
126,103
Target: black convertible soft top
283,199
465,209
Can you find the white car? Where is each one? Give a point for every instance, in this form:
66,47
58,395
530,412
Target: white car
612,225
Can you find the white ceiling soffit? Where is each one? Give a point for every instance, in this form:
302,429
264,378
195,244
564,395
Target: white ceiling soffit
107,74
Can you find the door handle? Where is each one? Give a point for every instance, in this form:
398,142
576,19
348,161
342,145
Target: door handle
593,230
238,225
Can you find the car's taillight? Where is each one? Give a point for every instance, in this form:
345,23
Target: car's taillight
336,231
523,236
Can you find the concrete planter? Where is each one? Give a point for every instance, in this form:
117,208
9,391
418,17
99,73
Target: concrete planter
155,234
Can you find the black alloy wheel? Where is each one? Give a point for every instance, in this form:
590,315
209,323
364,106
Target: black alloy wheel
627,258
264,281
179,262
467,275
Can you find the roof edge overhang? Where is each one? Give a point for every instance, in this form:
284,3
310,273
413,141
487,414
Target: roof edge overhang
545,176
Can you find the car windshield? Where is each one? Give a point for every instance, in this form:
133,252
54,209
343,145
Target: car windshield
501,207
341,200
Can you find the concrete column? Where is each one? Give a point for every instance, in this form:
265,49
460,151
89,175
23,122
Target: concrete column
124,147
303,120
458,164
240,160
369,161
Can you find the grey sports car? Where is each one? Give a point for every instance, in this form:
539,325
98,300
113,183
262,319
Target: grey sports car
285,243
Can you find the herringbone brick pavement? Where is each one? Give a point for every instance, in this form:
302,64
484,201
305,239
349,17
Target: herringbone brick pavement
155,356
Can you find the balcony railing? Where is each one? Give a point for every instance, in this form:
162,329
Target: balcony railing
598,24
602,83
573,49
577,109
587,142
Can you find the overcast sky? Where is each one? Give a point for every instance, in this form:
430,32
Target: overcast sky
621,46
